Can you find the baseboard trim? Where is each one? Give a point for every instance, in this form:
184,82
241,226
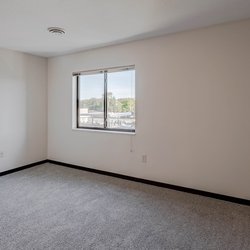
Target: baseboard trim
158,184
23,167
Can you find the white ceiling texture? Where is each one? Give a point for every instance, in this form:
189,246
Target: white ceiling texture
97,23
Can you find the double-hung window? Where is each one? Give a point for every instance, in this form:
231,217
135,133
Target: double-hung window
105,99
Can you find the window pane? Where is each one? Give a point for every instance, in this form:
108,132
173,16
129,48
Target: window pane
91,101
121,100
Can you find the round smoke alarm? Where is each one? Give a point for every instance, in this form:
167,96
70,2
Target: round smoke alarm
56,30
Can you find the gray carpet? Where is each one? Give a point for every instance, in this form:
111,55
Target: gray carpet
54,207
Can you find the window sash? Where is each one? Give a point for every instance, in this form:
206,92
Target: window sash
105,72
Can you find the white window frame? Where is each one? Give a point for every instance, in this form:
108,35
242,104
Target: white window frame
75,100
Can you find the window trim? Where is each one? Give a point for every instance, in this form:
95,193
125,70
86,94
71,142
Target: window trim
77,107
109,70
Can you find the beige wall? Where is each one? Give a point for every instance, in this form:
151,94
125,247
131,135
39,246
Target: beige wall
23,109
193,118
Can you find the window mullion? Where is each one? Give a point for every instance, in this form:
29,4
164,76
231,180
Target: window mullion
77,102
105,99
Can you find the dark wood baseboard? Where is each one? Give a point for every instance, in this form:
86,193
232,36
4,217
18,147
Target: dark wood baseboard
158,184
23,167
130,178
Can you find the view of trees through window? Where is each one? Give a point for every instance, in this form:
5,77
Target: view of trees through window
110,106
91,104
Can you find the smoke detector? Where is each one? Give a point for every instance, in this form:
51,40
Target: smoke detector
56,31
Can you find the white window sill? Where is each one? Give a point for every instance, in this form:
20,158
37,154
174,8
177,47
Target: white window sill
103,131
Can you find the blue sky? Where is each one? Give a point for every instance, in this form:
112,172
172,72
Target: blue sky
121,84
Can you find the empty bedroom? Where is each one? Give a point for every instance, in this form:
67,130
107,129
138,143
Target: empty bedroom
125,124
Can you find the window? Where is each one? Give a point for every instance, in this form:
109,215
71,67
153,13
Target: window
105,99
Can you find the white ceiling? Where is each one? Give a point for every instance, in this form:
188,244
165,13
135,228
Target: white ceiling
96,23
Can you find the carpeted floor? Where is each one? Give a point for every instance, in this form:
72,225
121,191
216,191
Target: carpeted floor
54,207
